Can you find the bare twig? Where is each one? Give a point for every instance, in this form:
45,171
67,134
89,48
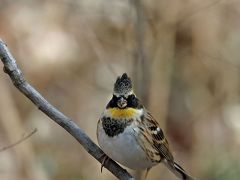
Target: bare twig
11,68
19,141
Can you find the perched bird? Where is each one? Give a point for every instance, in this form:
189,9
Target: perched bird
128,133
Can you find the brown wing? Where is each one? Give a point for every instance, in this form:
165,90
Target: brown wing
157,143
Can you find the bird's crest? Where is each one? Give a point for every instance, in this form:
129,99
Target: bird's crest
123,85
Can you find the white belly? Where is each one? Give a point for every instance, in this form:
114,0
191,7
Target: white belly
124,149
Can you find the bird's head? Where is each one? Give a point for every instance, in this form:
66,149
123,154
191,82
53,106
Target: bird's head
123,96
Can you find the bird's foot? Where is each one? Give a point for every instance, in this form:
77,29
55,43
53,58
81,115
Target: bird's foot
148,169
105,159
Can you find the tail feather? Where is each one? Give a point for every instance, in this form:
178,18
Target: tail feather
178,171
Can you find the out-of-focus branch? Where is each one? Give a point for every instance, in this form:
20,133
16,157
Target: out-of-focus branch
11,68
141,64
19,141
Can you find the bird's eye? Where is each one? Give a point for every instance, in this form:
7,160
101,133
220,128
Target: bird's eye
132,100
131,97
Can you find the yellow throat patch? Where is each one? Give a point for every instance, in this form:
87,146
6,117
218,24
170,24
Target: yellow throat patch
122,113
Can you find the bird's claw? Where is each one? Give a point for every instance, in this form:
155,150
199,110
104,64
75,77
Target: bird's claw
105,159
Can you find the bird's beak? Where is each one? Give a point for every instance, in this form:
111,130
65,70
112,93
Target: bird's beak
122,103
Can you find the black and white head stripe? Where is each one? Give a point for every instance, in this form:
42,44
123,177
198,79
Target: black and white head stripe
123,85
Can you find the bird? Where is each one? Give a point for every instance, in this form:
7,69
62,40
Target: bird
128,133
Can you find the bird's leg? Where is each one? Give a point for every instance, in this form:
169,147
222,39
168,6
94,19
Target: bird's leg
148,169
105,159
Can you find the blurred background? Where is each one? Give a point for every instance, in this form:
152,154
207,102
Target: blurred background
183,57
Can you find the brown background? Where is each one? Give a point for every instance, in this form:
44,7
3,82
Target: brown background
182,55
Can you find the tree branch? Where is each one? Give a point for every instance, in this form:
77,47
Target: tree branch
19,141
11,68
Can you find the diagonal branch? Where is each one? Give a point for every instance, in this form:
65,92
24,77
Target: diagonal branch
11,68
19,141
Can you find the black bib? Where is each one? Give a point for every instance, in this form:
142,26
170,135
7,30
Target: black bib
113,127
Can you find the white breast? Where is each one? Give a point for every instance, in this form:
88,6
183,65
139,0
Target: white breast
124,148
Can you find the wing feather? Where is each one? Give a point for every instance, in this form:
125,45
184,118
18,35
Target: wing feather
153,140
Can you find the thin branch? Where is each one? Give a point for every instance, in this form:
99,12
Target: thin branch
19,141
11,68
